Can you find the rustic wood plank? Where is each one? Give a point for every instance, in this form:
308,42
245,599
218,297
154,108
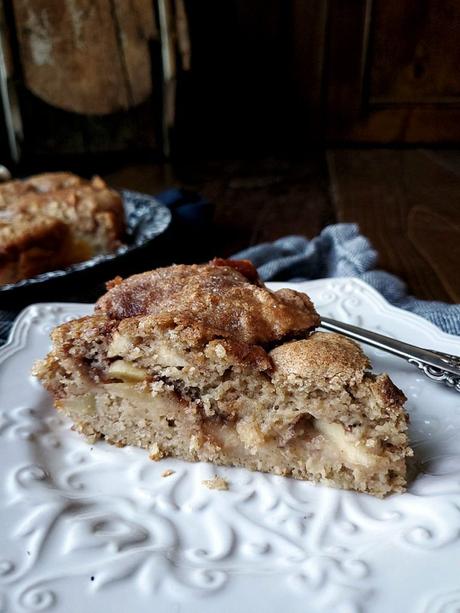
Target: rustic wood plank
259,201
391,72
406,202
146,178
135,29
429,125
438,240
347,40
88,57
415,52
449,159
256,201
306,26
378,189
258,71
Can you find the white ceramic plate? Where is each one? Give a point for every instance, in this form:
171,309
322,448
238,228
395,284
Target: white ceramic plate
91,528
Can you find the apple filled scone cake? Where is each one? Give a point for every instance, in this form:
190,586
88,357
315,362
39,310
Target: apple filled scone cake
203,362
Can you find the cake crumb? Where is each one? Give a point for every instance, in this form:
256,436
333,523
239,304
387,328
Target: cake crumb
167,473
155,453
216,483
194,443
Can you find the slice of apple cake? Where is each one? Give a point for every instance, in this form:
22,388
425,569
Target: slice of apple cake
203,362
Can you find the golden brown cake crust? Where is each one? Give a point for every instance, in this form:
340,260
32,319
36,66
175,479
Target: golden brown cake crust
41,184
13,192
326,354
67,197
215,297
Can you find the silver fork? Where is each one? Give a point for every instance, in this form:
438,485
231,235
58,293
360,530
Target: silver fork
438,366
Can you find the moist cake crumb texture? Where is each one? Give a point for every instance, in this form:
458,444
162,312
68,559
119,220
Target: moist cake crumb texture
204,363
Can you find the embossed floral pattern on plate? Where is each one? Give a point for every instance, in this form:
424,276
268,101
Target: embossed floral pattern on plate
90,526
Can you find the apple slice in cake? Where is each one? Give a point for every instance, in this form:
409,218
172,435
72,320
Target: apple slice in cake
205,363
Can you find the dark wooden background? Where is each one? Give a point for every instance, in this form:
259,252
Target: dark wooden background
288,114
407,202
271,74
264,76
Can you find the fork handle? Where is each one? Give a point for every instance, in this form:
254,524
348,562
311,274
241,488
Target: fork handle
435,365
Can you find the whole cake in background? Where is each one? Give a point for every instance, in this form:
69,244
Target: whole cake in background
205,363
53,220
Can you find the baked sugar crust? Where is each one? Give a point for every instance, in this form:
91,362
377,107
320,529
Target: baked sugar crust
215,300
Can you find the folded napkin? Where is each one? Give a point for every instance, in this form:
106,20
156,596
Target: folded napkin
341,251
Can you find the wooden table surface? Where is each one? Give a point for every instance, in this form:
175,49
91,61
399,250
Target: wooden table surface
407,202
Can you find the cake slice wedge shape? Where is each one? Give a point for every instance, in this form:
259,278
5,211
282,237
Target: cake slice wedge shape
205,363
